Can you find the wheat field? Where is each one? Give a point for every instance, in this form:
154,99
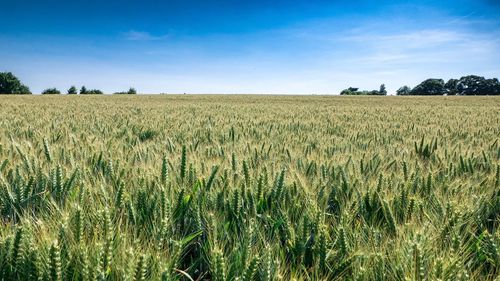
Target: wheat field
213,187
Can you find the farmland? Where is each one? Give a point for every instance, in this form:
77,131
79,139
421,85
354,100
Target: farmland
249,188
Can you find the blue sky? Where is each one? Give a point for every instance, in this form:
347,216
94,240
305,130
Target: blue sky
239,46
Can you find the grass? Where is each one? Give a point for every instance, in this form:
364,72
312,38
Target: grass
249,188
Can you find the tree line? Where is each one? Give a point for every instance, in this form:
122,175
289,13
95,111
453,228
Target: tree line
471,85
356,92
10,84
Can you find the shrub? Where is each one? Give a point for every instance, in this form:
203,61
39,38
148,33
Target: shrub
403,91
95,92
355,92
130,91
72,90
84,91
51,91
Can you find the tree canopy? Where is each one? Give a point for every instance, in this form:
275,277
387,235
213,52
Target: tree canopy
403,91
51,91
429,87
130,91
355,92
94,92
10,84
470,85
477,85
72,90
84,91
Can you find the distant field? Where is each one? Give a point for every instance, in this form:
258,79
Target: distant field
249,187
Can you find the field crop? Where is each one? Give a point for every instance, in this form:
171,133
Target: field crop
249,188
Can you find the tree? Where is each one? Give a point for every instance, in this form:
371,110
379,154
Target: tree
451,86
429,87
477,85
403,91
72,90
349,91
466,85
355,92
132,91
51,91
84,91
94,92
382,90
10,84
471,85
374,93
493,86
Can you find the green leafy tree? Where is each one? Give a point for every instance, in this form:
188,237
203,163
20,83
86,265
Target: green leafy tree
132,91
403,91
466,85
84,91
94,92
477,85
493,86
355,92
51,91
451,86
382,90
10,84
349,91
72,90
429,87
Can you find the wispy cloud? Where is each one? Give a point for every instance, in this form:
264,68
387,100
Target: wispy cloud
412,40
134,35
431,45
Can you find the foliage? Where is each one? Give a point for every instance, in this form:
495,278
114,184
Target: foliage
84,91
51,91
465,86
382,91
72,90
94,92
403,91
451,87
477,85
130,91
429,87
355,92
10,84
249,188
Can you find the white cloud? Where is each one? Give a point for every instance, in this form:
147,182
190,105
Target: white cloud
412,40
426,47
134,35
